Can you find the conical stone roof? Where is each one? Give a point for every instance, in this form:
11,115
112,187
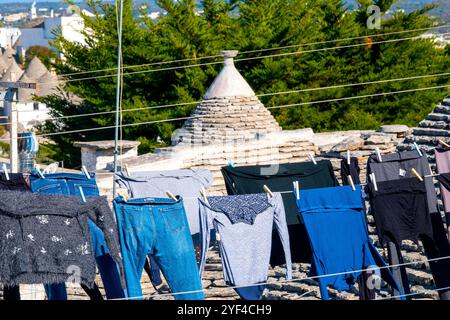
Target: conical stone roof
435,127
25,95
6,60
35,69
13,73
3,66
47,84
230,111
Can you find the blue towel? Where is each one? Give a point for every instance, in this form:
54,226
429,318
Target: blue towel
337,229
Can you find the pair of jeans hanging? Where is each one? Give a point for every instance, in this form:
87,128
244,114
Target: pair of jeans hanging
186,183
159,228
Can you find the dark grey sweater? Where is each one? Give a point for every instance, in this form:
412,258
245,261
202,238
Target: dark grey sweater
46,238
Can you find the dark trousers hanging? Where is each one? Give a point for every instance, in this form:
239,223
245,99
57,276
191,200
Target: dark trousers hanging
398,166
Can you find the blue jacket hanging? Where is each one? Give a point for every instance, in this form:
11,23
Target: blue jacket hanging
337,229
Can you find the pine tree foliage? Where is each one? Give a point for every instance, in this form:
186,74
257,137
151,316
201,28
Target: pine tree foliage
185,32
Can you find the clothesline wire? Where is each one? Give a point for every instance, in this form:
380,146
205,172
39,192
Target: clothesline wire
289,192
333,48
405,264
202,116
373,270
254,51
259,95
412,294
238,60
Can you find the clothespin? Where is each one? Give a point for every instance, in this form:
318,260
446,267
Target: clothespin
203,194
374,181
418,176
350,179
446,145
297,189
86,173
5,170
123,194
231,163
348,157
268,191
312,158
171,196
39,172
418,149
125,166
377,150
82,194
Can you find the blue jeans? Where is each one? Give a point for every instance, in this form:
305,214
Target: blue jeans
68,184
158,227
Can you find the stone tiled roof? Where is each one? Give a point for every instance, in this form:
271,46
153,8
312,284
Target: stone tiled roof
4,63
47,84
25,94
35,69
13,73
230,111
435,127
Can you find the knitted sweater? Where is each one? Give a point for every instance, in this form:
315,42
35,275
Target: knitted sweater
46,239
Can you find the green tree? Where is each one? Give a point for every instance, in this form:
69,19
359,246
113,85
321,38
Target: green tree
46,55
247,25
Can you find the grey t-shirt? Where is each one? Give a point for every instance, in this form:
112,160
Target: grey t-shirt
185,183
244,224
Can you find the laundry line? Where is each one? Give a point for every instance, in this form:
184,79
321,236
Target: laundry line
413,294
185,104
202,116
237,60
371,270
255,51
289,192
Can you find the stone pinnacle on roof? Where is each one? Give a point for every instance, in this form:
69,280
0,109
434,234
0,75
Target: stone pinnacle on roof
229,82
230,111
35,69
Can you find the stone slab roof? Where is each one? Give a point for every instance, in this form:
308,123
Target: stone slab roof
106,144
13,73
35,69
229,112
435,127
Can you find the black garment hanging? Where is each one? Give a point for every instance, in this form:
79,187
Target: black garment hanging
280,178
400,210
399,166
352,170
